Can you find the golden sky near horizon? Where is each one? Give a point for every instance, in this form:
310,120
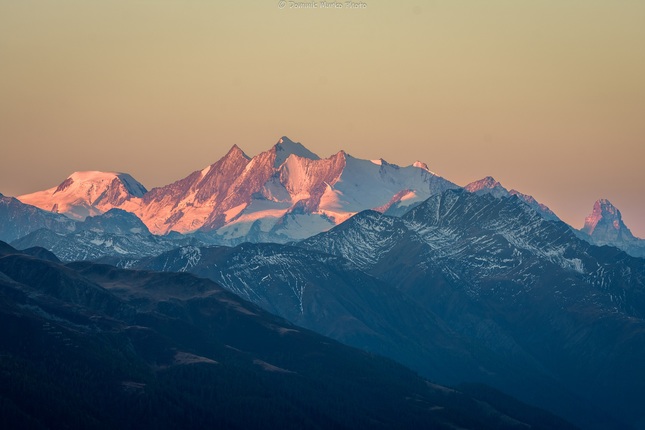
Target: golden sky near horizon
546,96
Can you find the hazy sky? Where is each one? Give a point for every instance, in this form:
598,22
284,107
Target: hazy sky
546,96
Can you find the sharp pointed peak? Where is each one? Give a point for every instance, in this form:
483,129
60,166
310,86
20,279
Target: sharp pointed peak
237,151
284,140
604,208
487,182
285,147
604,218
604,203
287,144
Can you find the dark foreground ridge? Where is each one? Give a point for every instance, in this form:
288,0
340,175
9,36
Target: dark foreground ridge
138,349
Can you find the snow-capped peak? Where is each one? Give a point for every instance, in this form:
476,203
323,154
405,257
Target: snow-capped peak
87,193
285,147
284,192
487,183
96,180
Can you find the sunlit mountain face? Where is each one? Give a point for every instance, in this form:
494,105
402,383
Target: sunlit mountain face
284,193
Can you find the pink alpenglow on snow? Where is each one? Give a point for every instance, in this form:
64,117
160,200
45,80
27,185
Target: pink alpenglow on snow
287,192
89,193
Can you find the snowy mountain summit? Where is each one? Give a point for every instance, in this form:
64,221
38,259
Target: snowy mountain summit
285,193
88,193
285,147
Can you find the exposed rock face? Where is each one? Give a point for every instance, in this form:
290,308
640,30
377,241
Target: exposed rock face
495,270
489,185
606,223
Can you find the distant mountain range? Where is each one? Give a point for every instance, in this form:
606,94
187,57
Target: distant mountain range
115,232
283,194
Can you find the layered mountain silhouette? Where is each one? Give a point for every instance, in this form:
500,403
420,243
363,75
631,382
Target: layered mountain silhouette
465,286
496,270
329,295
93,346
462,287
115,232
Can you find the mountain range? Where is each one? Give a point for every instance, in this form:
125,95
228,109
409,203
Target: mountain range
530,288
285,193
462,287
465,286
281,194
115,232
92,346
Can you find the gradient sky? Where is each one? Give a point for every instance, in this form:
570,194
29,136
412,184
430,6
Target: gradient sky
546,96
